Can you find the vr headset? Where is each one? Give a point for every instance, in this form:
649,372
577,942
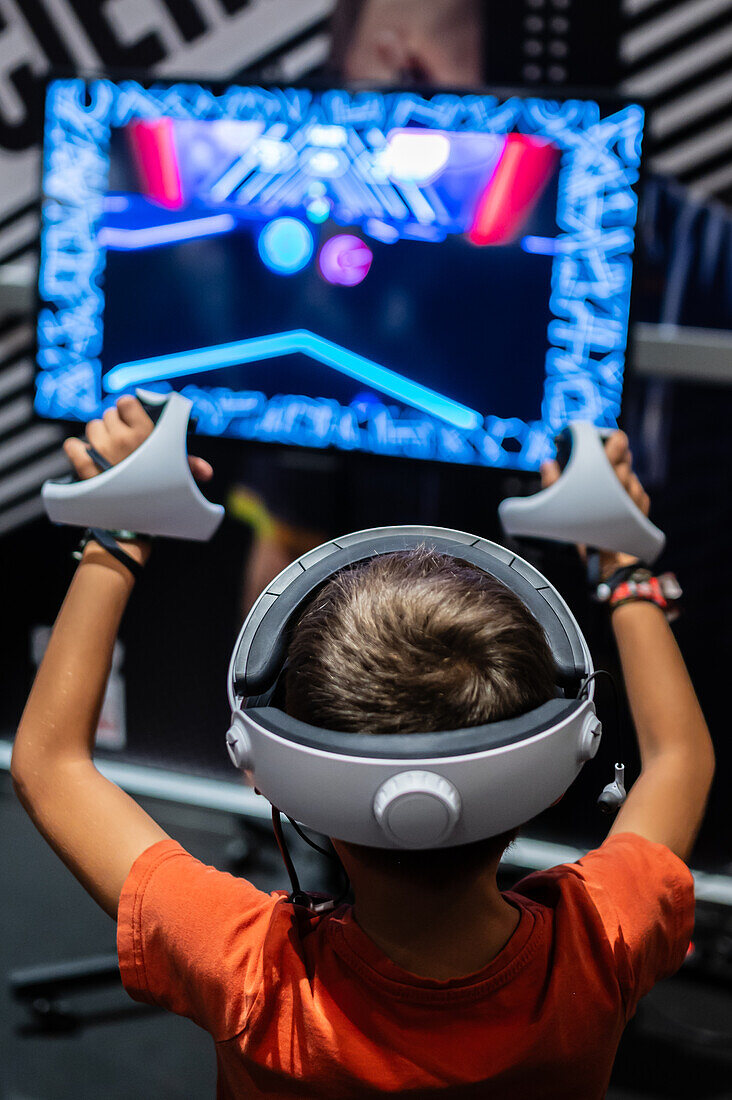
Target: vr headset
416,790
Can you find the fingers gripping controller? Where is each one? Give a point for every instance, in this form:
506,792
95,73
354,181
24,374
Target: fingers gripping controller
152,491
586,505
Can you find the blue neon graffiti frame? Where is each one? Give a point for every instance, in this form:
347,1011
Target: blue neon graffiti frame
590,281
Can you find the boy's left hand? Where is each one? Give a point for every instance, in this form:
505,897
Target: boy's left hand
120,432
617,449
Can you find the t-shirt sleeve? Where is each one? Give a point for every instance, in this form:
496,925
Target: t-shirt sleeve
643,895
190,938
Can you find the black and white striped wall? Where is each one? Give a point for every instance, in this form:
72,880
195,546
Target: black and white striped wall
679,52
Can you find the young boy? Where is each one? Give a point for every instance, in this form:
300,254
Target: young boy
434,983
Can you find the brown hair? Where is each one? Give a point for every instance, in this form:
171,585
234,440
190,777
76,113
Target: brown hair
413,641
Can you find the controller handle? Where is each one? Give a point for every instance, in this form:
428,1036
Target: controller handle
154,405
586,505
151,492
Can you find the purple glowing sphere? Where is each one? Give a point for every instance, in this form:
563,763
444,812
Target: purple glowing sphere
345,260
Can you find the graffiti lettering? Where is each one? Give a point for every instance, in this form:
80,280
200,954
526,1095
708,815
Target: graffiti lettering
148,50
26,75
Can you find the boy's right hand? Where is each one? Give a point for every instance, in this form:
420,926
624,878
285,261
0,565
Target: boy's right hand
120,432
619,453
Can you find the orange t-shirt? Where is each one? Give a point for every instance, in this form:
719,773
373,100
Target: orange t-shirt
310,1007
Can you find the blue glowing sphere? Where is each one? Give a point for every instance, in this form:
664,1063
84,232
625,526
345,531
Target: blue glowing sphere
286,245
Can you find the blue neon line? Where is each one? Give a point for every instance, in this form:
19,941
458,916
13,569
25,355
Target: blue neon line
324,351
541,246
170,233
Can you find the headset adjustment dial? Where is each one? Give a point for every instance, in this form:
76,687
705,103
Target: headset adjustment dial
417,809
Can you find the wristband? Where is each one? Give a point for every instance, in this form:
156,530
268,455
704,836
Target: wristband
107,540
637,583
602,590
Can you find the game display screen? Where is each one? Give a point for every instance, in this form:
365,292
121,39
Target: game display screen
441,276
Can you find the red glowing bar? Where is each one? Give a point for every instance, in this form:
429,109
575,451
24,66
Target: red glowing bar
523,171
153,147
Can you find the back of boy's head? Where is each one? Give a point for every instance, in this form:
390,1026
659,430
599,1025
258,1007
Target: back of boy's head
417,641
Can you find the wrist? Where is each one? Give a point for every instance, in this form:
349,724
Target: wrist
138,549
635,609
611,563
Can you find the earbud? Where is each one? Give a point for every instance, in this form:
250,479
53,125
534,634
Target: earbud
613,796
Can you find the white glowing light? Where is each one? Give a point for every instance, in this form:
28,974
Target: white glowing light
332,137
325,163
415,156
272,156
235,135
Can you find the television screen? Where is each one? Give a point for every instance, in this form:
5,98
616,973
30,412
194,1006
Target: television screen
441,276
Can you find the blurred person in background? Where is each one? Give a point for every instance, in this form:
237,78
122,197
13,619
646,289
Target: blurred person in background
289,498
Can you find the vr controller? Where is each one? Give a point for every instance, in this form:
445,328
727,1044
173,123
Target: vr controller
586,505
151,492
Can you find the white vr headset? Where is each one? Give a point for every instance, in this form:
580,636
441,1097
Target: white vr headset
416,790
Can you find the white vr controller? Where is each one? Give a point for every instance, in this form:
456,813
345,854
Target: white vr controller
586,505
152,492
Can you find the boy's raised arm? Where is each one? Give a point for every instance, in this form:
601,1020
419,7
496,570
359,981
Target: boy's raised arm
666,803
96,829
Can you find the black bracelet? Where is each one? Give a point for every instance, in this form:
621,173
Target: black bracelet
638,571
107,540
